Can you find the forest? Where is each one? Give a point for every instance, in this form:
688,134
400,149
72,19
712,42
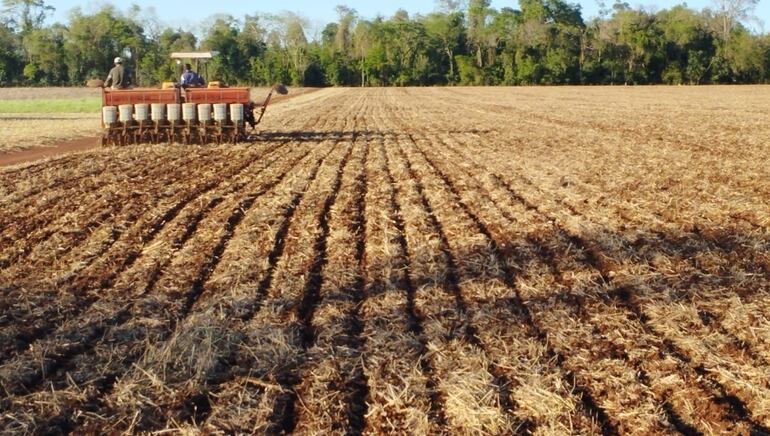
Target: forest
542,42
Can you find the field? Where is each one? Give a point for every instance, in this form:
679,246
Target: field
34,117
410,261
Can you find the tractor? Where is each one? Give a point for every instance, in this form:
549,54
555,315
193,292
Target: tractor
188,115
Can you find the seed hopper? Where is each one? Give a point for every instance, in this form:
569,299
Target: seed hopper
188,115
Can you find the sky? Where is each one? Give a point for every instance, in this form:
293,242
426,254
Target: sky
321,12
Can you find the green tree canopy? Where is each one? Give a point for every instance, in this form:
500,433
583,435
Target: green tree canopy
464,42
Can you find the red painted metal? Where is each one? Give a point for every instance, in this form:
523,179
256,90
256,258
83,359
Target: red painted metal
117,97
217,95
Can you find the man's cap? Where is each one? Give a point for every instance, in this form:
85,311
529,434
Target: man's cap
118,60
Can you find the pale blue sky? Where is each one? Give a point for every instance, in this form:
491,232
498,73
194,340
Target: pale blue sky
321,12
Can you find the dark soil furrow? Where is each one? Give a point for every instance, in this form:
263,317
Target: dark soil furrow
62,182
508,277
414,319
589,402
248,309
358,386
597,259
686,250
336,350
34,229
65,181
284,418
106,281
310,295
401,261
732,407
36,168
724,241
171,213
131,208
453,287
104,384
592,412
59,360
198,288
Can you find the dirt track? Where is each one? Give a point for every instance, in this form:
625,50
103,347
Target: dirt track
33,154
402,260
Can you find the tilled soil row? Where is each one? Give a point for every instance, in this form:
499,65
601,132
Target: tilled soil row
86,284
119,316
493,296
714,248
402,394
70,339
557,268
736,410
188,398
495,416
690,262
701,265
10,177
452,336
75,215
727,362
28,190
133,328
102,275
453,173
333,387
375,263
184,392
693,264
295,256
538,144
270,349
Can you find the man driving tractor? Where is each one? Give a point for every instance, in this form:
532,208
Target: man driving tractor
190,78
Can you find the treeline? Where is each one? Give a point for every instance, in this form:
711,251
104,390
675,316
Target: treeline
464,43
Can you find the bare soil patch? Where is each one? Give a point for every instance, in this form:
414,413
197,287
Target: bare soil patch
22,93
24,131
63,147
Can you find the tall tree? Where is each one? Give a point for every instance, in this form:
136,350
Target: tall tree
466,42
336,52
26,15
158,66
251,41
732,12
448,33
92,41
10,61
688,45
45,49
478,12
362,44
230,66
450,6
346,18
296,44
